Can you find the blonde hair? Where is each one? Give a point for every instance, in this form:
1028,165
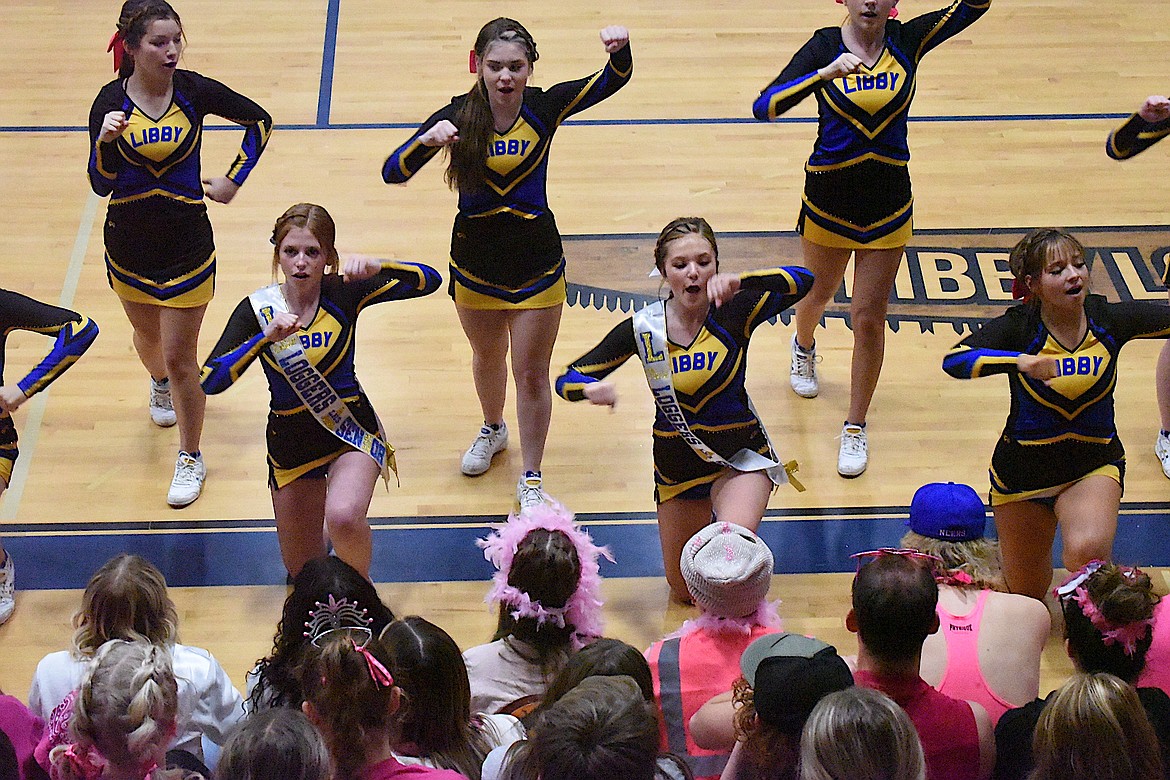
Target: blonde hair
1095,728
978,558
125,599
860,734
125,709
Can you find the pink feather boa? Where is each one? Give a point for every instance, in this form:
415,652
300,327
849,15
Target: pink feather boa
583,609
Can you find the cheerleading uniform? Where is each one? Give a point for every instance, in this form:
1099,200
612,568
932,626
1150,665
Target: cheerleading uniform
74,333
709,376
159,246
857,187
1061,430
299,445
505,249
1131,139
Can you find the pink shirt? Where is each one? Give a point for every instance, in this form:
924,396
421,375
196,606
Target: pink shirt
963,678
1157,671
946,726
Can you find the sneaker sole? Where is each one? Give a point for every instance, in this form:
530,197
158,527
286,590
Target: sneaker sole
174,505
164,423
841,473
813,394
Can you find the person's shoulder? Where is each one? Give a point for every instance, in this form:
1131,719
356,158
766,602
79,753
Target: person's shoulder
57,660
1025,607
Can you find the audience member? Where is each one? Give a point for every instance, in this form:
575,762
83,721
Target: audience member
20,731
1108,611
435,725
1094,728
988,647
276,744
273,681
351,698
122,718
603,729
860,734
894,600
728,570
548,587
127,599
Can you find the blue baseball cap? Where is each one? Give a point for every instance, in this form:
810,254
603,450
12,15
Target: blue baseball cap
952,512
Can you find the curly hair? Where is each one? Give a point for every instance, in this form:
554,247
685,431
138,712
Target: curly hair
276,677
125,599
769,753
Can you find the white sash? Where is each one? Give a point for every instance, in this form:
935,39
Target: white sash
650,337
313,389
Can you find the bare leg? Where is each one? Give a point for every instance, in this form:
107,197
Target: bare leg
144,319
300,518
873,277
1087,512
828,267
487,332
352,478
741,497
1162,378
678,520
180,345
534,331
1026,531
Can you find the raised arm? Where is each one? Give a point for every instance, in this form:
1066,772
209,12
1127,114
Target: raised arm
993,349
389,280
572,97
817,63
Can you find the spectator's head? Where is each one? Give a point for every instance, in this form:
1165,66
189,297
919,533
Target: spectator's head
350,696
1108,618
547,582
125,599
860,734
318,580
124,712
602,729
435,717
728,570
784,676
277,744
603,658
947,520
1095,728
894,599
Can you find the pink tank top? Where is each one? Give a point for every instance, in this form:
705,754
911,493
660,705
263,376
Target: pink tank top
963,678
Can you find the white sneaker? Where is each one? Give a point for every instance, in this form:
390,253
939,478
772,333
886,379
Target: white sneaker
478,457
803,373
853,456
1162,450
7,589
162,411
188,481
529,491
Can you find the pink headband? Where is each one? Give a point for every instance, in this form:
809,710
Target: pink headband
583,609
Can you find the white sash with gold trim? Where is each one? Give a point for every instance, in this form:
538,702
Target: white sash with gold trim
650,337
314,391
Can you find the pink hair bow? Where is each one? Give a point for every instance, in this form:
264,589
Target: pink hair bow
378,672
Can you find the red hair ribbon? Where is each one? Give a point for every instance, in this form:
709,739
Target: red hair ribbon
118,47
378,673
1020,291
893,10
471,62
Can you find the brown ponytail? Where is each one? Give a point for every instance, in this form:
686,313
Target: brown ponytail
465,169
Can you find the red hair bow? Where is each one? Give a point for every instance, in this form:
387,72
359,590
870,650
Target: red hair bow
118,47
